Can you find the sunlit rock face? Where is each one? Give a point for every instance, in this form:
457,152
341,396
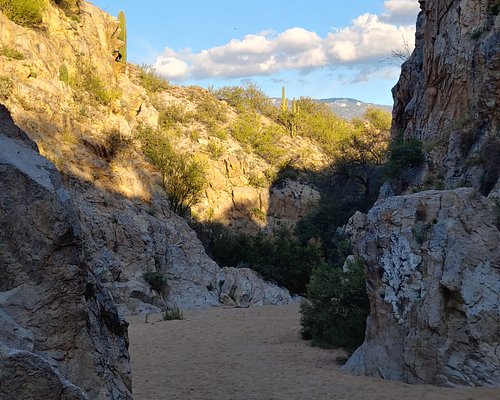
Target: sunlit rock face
448,94
60,333
433,277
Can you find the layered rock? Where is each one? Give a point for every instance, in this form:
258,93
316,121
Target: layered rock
60,334
448,95
433,276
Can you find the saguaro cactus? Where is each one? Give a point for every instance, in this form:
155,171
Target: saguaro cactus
123,35
284,100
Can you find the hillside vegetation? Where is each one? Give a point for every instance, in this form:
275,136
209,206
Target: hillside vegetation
264,186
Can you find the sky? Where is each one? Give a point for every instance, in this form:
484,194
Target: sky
314,48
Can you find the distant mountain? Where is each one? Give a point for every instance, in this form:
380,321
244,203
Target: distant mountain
351,108
346,108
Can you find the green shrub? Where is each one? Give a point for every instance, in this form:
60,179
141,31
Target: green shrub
64,73
215,149
87,85
6,85
279,257
116,142
247,129
403,155
337,307
316,121
245,98
155,280
11,53
171,114
151,80
183,176
172,313
24,12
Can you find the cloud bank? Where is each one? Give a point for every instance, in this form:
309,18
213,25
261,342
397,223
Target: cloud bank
369,39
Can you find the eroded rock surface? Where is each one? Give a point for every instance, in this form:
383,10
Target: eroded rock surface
433,273
448,95
60,334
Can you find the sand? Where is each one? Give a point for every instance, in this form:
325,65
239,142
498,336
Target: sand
254,353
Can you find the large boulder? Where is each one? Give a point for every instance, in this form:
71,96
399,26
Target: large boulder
60,334
433,277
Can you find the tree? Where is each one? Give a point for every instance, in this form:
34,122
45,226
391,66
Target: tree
183,177
364,150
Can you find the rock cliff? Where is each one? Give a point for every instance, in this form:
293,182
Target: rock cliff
448,95
433,258
60,334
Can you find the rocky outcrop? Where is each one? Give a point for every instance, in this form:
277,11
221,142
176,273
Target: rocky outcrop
433,277
448,95
60,334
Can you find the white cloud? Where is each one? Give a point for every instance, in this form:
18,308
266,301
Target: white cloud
369,39
170,65
400,11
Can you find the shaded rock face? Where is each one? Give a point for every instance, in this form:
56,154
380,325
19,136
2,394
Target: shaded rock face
60,334
125,237
433,272
448,94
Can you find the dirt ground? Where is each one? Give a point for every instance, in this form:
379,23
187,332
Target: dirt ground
253,354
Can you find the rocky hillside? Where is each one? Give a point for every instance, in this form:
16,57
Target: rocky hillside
432,258
84,110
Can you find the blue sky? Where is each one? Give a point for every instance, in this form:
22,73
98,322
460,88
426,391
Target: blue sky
315,48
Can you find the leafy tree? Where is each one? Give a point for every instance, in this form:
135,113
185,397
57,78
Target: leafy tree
366,148
404,155
248,97
337,307
183,177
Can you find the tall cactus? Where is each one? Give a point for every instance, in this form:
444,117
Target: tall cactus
284,100
123,35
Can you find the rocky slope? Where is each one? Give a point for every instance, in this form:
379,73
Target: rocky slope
60,334
82,109
433,258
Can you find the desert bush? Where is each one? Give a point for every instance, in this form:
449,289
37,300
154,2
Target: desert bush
87,85
172,313
316,121
337,306
155,280
6,85
403,155
13,54
116,142
183,176
64,73
171,114
151,80
248,130
24,12
248,97
215,149
210,112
